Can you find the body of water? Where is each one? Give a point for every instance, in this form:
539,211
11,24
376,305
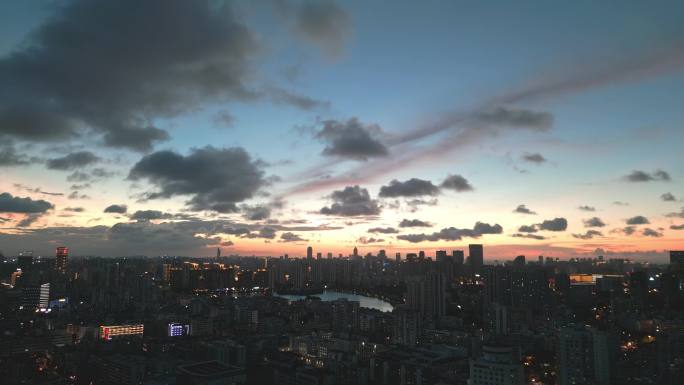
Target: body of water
330,295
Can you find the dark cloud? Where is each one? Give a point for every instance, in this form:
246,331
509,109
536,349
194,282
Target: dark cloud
519,118
224,118
535,158
281,96
522,209
117,209
79,176
351,139
322,23
588,235
36,190
648,232
637,220
414,204
383,230
10,157
29,219
77,195
12,204
457,183
530,236
72,161
675,214
217,179
594,222
352,201
556,224
454,234
369,240
643,176
81,186
256,213
668,197
107,67
264,232
291,237
414,223
629,230
75,209
587,208
411,188
528,229
101,173
677,227
148,215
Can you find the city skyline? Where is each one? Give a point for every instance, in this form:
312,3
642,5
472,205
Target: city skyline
262,129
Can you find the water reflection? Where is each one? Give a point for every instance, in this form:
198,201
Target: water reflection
330,295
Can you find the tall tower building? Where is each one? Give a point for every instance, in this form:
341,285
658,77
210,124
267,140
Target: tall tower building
36,297
61,256
435,292
25,260
309,252
476,257
457,257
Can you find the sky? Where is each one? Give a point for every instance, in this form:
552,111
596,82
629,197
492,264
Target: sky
175,127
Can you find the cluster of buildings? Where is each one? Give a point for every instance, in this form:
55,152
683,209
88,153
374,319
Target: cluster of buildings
373,319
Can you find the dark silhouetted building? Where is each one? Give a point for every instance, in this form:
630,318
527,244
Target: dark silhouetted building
476,257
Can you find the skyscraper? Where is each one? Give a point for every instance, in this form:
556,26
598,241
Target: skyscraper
476,257
25,260
457,257
309,252
36,297
61,256
435,293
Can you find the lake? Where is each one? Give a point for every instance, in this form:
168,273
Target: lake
331,295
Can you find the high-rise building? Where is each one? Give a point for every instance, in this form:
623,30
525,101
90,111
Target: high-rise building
35,297
498,365
476,258
25,260
309,252
586,356
435,296
406,325
440,255
61,257
345,315
356,252
457,256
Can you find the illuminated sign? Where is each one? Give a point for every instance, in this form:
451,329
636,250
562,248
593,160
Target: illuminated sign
177,330
112,331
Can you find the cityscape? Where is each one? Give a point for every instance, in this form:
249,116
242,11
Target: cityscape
341,192
448,318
